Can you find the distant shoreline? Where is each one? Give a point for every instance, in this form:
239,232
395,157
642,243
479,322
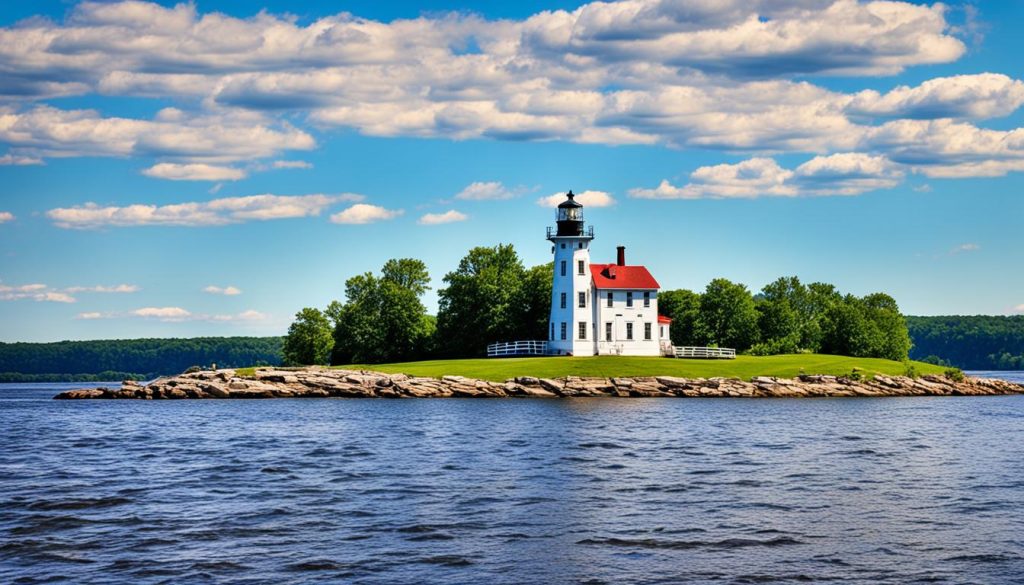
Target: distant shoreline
323,383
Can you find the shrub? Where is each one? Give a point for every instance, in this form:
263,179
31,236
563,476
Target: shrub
954,374
910,370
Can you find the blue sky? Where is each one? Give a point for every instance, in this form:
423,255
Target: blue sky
210,168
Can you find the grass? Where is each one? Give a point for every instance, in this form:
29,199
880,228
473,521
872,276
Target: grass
745,367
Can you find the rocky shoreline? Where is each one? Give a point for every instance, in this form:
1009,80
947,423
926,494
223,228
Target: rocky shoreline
322,383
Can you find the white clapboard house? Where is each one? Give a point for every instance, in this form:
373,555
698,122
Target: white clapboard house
600,309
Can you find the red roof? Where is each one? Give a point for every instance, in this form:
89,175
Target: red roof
615,276
663,319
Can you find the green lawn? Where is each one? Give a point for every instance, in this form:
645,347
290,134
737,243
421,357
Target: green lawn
745,367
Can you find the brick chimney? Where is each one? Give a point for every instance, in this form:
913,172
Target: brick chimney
622,255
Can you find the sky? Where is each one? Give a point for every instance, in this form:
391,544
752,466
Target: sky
209,168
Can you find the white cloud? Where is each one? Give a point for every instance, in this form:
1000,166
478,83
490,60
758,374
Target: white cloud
44,131
193,172
119,288
6,216
690,74
35,292
837,174
162,313
227,290
585,198
968,247
43,293
292,164
173,315
449,216
487,190
15,160
207,213
361,213
1019,308
986,95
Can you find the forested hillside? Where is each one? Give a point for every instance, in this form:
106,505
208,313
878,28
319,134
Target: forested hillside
979,342
143,358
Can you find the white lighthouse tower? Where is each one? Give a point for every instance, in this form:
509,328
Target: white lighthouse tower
571,329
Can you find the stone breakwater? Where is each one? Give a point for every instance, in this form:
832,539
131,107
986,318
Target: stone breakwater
322,383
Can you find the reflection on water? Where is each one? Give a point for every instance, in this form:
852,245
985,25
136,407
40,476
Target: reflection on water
511,491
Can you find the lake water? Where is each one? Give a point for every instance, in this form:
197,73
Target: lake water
891,490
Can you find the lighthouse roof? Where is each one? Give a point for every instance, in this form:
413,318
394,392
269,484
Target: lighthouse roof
569,201
616,276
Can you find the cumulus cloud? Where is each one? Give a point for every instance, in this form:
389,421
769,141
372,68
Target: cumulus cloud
727,75
449,216
207,213
488,190
6,216
987,95
586,198
45,131
193,172
227,290
838,174
361,213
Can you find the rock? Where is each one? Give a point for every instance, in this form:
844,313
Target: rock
320,382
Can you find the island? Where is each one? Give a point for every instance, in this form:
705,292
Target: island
560,378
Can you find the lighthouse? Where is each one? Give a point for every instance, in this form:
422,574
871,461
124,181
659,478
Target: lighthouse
599,309
570,330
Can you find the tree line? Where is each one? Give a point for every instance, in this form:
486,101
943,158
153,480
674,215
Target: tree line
977,342
787,316
491,296
130,358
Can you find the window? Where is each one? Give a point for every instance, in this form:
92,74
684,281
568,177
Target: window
609,299
564,330
552,338
647,299
647,331
580,267
583,329
582,300
563,267
563,245
581,245
629,299
629,331
607,331
563,300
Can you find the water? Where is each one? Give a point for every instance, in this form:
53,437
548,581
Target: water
509,491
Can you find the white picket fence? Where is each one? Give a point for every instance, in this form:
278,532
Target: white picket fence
510,348
708,353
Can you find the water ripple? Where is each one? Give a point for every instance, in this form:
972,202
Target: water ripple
466,491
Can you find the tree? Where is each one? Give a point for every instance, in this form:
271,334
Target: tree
728,316
309,339
892,339
531,303
477,307
683,307
383,318
845,331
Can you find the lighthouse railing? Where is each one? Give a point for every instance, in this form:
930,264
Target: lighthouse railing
513,348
